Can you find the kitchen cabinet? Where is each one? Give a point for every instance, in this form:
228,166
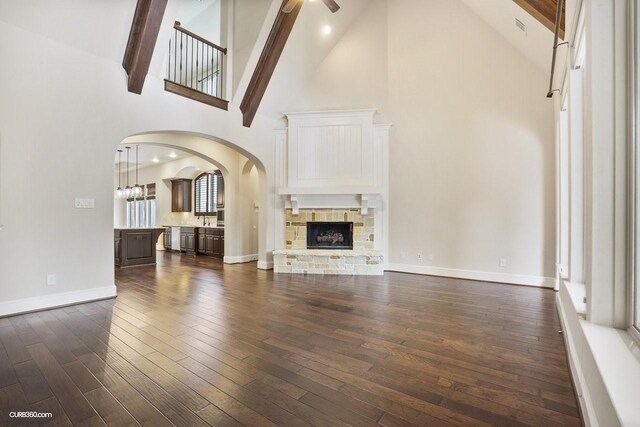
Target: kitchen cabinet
201,248
136,246
166,238
211,242
180,195
188,238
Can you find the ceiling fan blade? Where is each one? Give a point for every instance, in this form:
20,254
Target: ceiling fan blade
332,5
289,6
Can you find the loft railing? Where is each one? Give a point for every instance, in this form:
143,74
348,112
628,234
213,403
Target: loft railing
196,68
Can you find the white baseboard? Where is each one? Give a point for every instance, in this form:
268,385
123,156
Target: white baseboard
265,265
485,276
25,305
239,259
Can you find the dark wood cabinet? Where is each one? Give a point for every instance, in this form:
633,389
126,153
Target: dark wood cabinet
217,247
200,247
166,236
181,195
188,238
208,248
117,247
136,246
211,242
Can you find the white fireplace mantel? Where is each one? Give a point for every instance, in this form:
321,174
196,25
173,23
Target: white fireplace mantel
331,198
333,160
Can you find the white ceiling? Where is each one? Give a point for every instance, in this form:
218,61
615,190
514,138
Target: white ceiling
147,153
100,27
535,44
306,48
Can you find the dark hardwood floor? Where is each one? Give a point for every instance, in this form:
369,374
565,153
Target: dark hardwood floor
192,342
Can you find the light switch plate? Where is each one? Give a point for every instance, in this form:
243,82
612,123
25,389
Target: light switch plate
85,203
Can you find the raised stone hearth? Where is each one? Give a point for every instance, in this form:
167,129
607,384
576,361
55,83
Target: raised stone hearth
328,261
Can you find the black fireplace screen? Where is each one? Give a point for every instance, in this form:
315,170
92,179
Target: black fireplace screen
329,235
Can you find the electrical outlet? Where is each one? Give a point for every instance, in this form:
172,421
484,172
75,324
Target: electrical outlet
51,279
419,255
430,258
503,262
85,204
403,254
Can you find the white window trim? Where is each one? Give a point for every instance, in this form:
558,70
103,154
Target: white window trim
633,306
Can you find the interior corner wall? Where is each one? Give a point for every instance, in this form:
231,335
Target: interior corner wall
472,142
472,149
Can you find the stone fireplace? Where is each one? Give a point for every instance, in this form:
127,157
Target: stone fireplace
332,188
298,257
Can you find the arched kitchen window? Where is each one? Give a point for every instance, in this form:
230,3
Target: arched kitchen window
206,194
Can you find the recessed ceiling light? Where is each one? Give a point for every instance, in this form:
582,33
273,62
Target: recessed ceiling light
172,155
326,29
156,160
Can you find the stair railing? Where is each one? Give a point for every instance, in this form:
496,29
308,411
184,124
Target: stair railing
196,63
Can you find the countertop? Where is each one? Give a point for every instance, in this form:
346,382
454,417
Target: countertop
137,228
193,226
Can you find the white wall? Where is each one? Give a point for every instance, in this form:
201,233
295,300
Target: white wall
207,23
248,198
472,146
248,17
63,111
472,170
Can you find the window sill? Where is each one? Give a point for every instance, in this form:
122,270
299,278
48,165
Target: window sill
617,356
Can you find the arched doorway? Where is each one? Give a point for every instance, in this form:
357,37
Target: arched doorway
245,188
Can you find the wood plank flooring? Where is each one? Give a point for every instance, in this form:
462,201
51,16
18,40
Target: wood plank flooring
191,342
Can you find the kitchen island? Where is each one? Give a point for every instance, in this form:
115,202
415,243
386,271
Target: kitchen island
135,246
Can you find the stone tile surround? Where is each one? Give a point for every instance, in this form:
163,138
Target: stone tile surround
296,258
328,261
363,226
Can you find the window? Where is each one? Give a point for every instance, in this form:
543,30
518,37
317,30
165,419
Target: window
151,213
131,213
141,213
206,194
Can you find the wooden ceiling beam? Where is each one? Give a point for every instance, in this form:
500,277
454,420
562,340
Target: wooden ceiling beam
545,12
142,41
267,63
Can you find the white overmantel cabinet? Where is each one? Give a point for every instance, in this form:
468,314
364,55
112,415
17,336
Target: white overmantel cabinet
333,160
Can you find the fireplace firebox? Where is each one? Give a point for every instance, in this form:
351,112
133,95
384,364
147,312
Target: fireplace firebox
329,235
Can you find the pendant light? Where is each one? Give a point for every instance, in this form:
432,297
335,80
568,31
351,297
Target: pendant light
127,189
137,189
119,191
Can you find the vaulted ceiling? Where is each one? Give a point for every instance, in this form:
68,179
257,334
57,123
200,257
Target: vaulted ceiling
544,11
